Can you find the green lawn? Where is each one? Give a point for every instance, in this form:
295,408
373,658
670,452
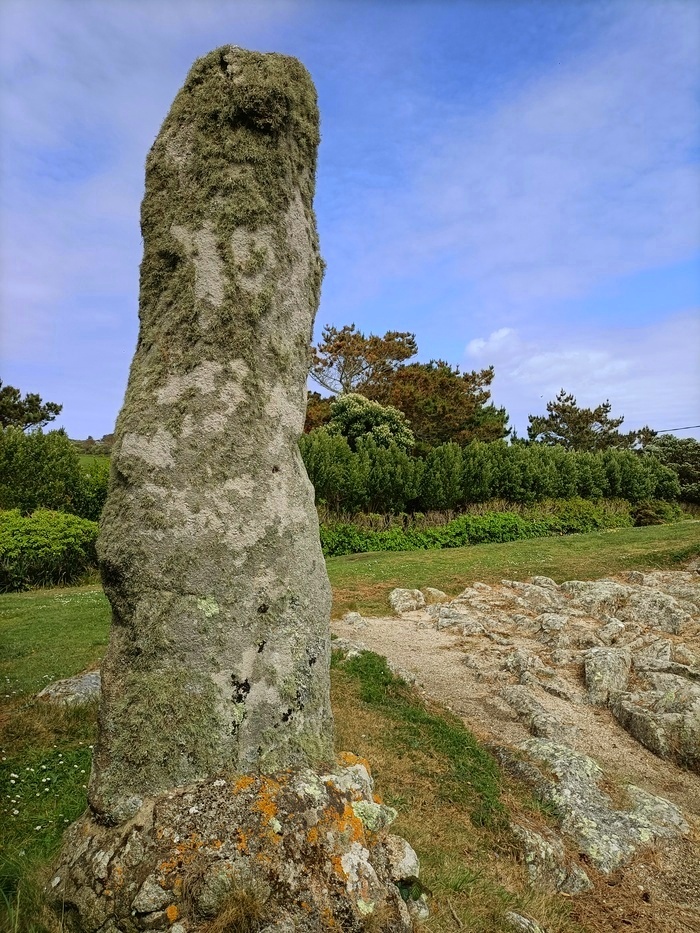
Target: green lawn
363,581
89,459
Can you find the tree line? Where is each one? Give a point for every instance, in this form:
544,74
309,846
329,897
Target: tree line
371,477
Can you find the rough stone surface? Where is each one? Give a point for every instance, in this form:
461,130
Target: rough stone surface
606,835
403,600
214,791
219,648
83,688
607,672
521,924
308,852
547,865
434,596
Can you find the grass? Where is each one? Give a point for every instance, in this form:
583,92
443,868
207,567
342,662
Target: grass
87,460
451,799
362,582
453,803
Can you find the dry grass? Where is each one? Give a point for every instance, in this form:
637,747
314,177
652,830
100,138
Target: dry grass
473,873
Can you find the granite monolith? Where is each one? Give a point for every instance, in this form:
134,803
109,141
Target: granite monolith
209,548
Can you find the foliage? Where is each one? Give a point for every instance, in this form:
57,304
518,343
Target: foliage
28,412
384,479
682,455
318,411
586,429
90,496
45,548
43,471
37,470
573,516
655,512
345,358
101,448
354,416
441,403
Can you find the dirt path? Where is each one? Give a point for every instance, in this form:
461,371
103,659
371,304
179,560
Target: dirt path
457,673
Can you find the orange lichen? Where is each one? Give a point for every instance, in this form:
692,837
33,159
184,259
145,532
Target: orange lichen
243,783
266,802
172,913
242,842
349,759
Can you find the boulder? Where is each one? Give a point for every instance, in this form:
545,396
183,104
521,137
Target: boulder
83,688
403,600
607,672
607,836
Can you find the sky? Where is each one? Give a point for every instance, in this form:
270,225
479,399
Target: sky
514,181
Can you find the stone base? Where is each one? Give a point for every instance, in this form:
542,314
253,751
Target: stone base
296,852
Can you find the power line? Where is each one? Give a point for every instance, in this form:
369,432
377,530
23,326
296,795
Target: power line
688,427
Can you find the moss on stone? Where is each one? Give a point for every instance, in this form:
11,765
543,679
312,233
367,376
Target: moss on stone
164,729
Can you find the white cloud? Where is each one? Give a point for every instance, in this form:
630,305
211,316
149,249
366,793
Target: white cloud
649,374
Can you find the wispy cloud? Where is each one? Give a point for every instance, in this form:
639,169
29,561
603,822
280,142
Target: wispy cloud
586,173
649,374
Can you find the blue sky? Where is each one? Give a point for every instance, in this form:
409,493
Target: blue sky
516,182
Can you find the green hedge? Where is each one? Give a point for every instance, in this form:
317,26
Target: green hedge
574,516
45,548
377,479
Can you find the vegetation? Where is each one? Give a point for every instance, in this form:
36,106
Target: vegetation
568,516
387,479
441,403
682,455
345,359
28,412
576,428
362,582
45,548
44,471
355,417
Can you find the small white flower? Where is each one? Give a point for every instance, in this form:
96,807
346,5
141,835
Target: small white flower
37,828
15,812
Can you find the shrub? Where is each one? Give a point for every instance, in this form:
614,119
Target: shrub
655,512
573,516
45,548
44,471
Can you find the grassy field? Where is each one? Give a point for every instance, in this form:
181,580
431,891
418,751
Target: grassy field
89,459
453,804
362,582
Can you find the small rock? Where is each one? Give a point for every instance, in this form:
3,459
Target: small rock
576,882
151,897
552,621
544,581
83,688
610,632
403,600
523,924
354,618
434,596
401,859
544,857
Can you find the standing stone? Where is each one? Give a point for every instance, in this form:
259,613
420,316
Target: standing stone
215,800
209,546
